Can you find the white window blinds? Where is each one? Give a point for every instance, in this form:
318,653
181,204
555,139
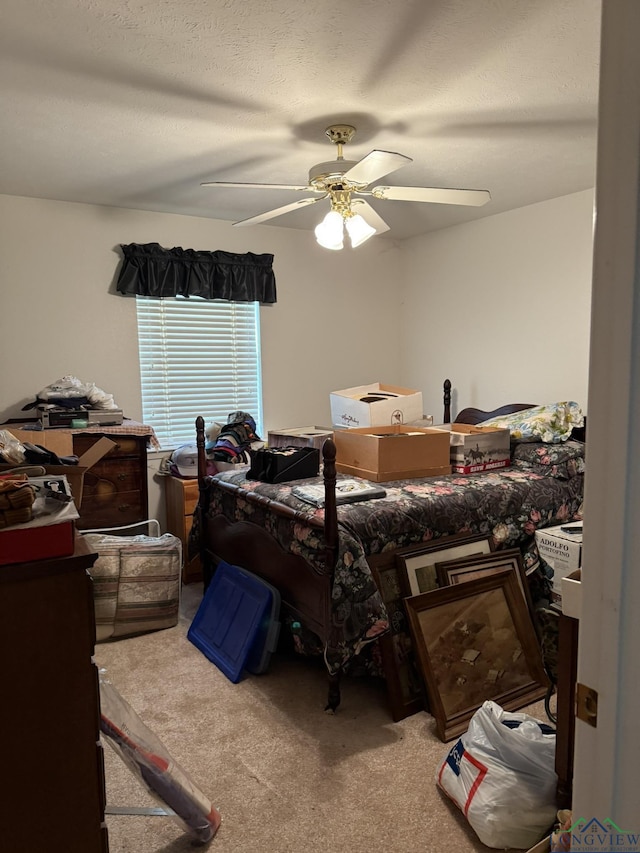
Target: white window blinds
197,357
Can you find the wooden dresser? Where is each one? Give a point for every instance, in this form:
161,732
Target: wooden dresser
115,489
53,792
181,498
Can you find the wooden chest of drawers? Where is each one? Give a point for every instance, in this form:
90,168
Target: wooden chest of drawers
53,793
115,489
181,499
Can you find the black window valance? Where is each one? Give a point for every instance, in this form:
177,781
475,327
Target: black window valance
150,270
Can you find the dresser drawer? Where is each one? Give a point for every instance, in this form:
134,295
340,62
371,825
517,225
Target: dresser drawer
191,495
181,499
108,478
111,510
115,489
125,445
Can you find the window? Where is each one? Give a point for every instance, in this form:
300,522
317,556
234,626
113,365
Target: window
197,357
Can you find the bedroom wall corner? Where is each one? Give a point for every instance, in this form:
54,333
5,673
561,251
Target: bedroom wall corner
501,306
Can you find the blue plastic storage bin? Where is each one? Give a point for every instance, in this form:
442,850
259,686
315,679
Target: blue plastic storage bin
236,624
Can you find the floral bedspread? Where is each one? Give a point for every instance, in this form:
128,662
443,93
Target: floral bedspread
506,505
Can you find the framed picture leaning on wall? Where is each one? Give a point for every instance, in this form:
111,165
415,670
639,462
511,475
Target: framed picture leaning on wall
453,572
476,641
417,563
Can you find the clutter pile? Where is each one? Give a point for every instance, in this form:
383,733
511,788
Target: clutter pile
69,402
226,446
16,499
70,392
13,451
235,440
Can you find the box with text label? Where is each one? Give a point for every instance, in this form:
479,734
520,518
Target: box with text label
375,405
561,550
475,448
387,453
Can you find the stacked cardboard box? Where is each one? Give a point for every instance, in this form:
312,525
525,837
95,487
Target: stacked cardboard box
374,405
386,453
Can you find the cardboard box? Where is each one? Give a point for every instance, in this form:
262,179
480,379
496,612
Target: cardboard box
572,594
75,473
374,405
475,448
562,552
386,453
60,443
311,436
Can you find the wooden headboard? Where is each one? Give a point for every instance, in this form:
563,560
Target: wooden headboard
476,416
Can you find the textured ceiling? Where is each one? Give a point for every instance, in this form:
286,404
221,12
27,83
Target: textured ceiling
133,103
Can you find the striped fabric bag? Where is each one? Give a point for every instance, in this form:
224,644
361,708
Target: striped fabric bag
136,583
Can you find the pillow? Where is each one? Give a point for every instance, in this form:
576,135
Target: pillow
562,461
551,423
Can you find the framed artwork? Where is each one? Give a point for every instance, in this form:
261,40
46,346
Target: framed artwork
458,571
476,641
405,686
418,562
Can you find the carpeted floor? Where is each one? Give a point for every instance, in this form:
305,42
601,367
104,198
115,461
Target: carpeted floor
286,776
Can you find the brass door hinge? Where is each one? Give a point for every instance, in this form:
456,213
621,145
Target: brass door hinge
587,704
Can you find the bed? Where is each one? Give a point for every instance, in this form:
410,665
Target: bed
328,562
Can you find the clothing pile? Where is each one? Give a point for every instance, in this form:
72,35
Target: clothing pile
71,393
235,441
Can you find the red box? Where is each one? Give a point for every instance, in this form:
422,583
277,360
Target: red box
37,543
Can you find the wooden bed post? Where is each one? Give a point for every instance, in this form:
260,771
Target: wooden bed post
331,544
330,510
447,401
200,510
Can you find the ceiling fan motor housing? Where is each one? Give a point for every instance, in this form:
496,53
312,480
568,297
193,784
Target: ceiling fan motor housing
330,175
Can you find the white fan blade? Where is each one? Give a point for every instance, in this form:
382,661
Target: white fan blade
278,211
370,216
375,165
305,188
433,195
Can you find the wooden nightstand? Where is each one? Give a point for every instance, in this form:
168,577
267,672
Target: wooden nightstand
182,498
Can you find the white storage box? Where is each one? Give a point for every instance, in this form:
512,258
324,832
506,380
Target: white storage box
572,594
375,405
561,550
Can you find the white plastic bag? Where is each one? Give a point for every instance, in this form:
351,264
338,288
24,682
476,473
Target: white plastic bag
501,776
70,388
11,450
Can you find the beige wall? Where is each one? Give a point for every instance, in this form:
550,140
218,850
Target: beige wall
61,313
501,306
335,324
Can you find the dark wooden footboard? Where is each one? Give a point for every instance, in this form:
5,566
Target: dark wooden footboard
305,589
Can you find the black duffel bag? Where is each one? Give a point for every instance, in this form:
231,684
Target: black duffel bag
281,464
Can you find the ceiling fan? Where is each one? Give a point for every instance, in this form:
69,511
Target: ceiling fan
343,182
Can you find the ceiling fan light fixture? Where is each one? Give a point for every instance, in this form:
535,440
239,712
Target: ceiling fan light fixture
330,232
359,230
